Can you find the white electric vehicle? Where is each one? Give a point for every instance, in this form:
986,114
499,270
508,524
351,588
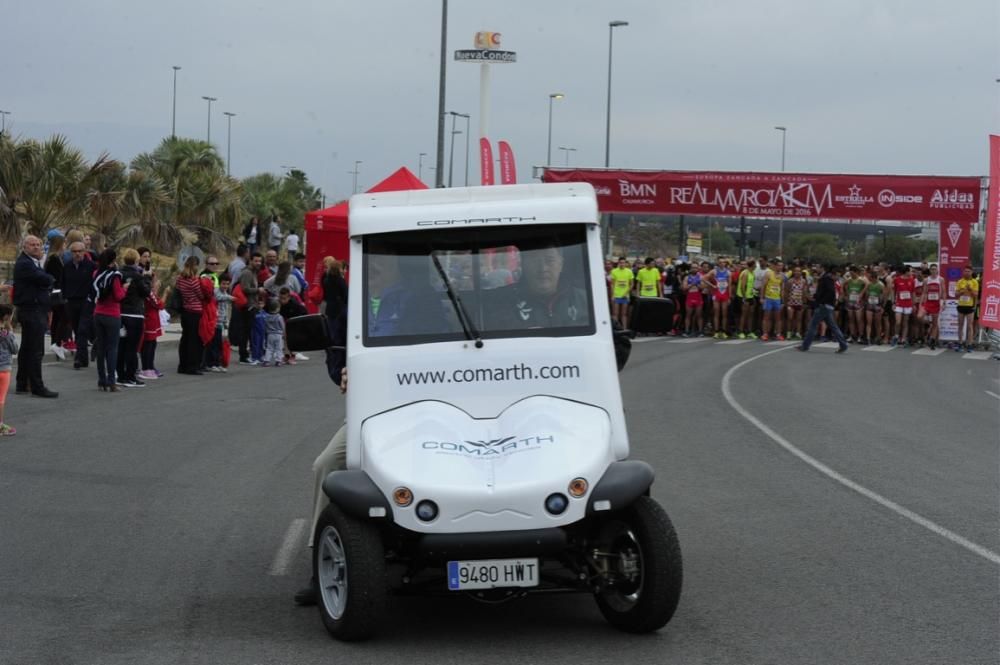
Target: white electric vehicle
487,449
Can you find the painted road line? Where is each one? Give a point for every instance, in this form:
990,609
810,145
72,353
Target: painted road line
928,352
643,340
826,345
985,553
976,355
690,340
289,546
737,341
992,394
879,349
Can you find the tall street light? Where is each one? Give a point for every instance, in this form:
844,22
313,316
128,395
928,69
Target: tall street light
607,130
781,222
548,155
420,165
760,243
566,152
229,137
173,121
439,168
3,121
355,172
209,100
466,116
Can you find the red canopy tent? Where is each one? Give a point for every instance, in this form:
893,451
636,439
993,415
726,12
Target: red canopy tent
326,229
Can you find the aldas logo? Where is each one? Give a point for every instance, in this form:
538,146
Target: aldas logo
952,199
485,449
637,193
602,190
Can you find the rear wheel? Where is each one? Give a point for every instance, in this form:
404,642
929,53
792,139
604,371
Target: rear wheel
640,557
349,569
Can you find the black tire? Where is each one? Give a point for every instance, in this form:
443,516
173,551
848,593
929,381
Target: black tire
364,597
651,603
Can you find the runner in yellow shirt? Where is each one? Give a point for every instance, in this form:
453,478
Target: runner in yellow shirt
967,291
649,280
621,288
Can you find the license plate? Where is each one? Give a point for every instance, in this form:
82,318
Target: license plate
491,573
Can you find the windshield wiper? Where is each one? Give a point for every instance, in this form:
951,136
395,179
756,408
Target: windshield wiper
468,327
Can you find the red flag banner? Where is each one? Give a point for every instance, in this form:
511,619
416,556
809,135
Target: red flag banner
989,309
486,161
508,172
775,195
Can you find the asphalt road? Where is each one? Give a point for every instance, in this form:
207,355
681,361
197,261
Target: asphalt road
163,525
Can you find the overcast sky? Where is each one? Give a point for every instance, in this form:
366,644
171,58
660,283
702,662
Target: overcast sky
867,86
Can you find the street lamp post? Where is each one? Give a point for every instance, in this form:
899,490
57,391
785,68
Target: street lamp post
455,114
607,129
760,243
356,171
781,222
209,100
173,122
229,138
3,121
566,151
548,155
451,161
420,165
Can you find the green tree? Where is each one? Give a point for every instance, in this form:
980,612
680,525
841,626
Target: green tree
289,197
814,247
198,196
718,242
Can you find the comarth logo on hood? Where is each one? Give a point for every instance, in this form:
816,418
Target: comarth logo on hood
501,447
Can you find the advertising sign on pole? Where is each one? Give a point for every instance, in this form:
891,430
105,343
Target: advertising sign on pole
486,161
989,308
694,245
508,172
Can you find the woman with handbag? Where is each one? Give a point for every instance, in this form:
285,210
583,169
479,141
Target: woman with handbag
108,295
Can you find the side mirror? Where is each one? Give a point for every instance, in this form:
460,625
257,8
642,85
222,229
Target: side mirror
623,345
308,333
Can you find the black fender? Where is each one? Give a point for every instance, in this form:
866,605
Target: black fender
621,484
357,495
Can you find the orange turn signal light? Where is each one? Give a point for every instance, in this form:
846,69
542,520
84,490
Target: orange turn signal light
402,496
578,487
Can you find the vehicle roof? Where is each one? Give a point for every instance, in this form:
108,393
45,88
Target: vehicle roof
472,207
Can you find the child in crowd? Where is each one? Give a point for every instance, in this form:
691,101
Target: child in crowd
151,330
8,348
274,327
224,305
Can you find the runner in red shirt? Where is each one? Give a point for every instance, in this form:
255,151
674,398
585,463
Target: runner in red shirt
903,286
931,304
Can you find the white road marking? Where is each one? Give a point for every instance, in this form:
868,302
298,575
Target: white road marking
826,345
987,554
643,340
289,546
928,352
787,342
976,355
992,394
879,349
690,340
737,341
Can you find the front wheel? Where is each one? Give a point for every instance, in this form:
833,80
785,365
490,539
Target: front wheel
349,568
640,557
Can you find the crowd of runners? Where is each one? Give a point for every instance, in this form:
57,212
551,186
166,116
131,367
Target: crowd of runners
769,299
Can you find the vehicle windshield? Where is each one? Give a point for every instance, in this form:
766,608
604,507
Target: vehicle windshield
516,281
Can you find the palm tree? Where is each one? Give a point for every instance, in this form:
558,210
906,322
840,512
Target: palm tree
199,195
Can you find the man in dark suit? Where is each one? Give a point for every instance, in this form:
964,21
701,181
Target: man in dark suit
32,286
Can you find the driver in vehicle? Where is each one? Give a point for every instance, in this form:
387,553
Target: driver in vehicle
544,297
